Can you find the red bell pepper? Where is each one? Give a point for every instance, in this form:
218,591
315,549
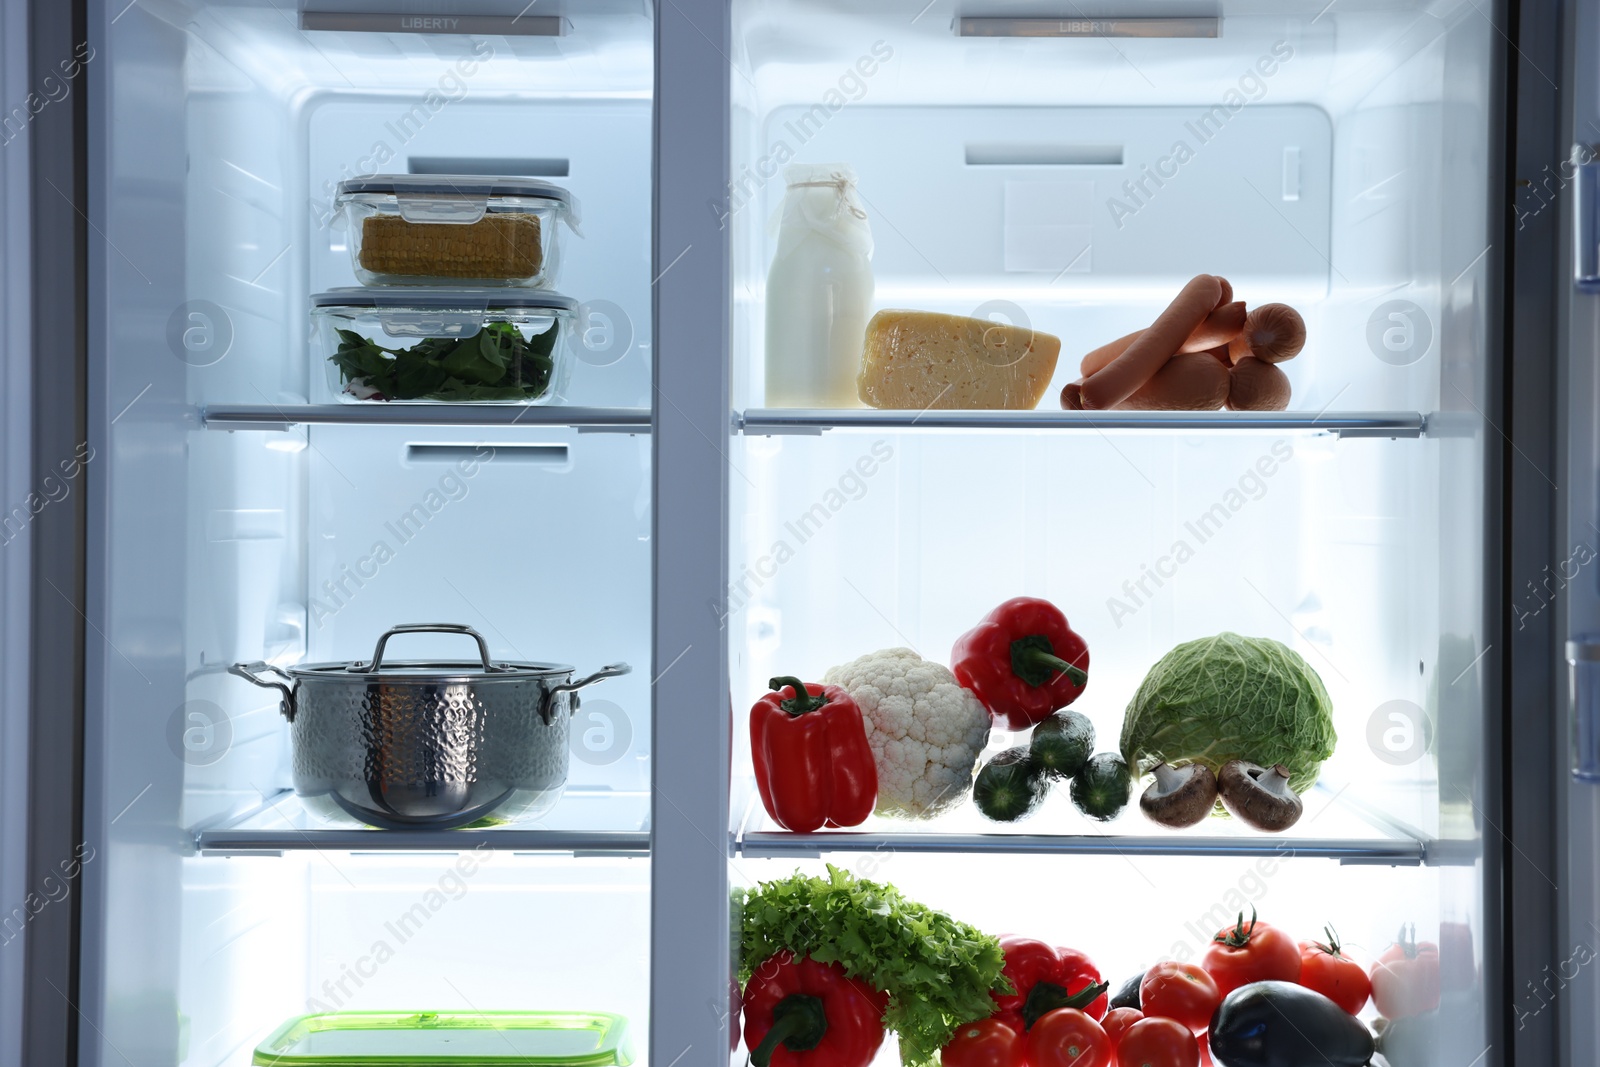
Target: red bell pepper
1044,978
813,764
1022,662
801,1013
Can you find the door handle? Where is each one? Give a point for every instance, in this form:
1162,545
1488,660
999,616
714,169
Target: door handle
1585,218
1583,701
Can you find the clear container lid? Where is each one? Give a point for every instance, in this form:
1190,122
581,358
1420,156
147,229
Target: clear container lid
423,1039
467,186
430,297
460,198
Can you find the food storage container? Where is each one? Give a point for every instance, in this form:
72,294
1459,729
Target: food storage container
433,1039
427,744
454,229
443,345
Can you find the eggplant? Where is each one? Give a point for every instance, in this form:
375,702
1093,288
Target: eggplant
1128,995
1281,1024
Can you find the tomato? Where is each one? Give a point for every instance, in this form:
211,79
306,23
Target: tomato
1067,1037
1158,1043
1325,968
1258,952
1118,1020
1179,991
985,1043
1405,980
1204,1041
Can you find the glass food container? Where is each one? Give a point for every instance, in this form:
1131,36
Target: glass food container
454,229
428,345
435,1039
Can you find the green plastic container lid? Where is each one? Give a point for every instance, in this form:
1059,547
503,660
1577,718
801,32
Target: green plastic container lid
434,1039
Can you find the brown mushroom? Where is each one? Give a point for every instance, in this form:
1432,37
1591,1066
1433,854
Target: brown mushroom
1259,796
1180,796
1272,333
1257,386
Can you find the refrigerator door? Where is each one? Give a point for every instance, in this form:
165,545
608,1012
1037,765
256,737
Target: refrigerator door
1570,983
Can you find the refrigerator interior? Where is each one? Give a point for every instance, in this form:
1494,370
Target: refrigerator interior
223,129
1332,159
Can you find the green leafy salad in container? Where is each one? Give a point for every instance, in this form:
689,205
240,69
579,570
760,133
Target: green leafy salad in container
416,345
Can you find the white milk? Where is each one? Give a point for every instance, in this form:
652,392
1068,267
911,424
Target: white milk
819,290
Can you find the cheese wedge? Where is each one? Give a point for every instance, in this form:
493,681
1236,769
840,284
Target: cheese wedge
922,360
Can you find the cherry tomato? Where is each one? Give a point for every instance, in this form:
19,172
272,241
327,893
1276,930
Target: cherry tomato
1067,1037
1405,980
1158,1043
985,1043
1325,968
1179,991
1253,952
1118,1020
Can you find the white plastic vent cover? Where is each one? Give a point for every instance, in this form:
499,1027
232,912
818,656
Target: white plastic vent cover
1199,189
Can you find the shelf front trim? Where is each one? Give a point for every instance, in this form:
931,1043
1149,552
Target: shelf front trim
765,421
275,841
276,417
774,845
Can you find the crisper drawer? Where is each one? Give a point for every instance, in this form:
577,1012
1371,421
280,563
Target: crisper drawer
1079,199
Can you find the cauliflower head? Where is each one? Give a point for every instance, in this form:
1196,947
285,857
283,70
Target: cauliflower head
925,730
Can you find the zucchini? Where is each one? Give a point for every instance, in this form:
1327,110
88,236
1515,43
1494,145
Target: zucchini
1010,787
1062,743
1101,789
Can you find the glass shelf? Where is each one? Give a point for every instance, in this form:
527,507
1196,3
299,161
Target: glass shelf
281,417
767,421
1332,828
585,822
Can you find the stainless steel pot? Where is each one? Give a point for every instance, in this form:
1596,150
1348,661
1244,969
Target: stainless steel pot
427,743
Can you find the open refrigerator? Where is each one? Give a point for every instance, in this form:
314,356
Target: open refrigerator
1398,172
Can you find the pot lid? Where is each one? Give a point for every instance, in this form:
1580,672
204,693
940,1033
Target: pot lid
428,670
380,668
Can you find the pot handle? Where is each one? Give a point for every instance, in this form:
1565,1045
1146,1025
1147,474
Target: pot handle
251,672
428,628
610,670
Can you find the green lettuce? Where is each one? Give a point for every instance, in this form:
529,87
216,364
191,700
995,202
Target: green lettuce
938,972
1231,697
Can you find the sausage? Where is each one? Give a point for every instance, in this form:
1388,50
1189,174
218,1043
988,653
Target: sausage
1227,291
1116,381
1191,381
1257,386
1072,396
1272,333
1106,353
1217,328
